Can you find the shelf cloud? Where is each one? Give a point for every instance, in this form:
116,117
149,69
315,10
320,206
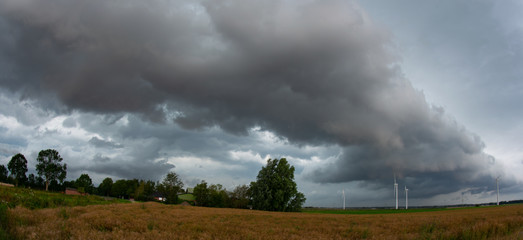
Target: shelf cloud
314,73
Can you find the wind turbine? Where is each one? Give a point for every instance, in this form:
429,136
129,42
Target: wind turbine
343,192
497,186
396,191
406,197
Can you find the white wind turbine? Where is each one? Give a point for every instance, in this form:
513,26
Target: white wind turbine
406,197
343,192
396,191
497,186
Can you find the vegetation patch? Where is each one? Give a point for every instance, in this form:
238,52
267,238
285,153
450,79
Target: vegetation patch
35,199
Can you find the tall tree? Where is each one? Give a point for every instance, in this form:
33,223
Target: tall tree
3,173
240,197
202,194
170,187
35,182
119,189
132,185
18,167
219,196
84,182
50,167
275,189
149,189
105,187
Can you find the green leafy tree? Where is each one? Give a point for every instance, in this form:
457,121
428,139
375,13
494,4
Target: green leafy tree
3,173
119,189
240,197
85,182
275,189
149,189
213,195
132,185
105,187
50,167
202,194
18,167
35,181
56,186
144,191
139,192
219,196
70,184
170,187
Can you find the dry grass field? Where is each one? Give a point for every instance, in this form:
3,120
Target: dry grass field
158,221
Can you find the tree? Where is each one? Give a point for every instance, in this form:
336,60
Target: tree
18,167
202,194
3,173
240,197
105,187
84,182
35,182
218,196
144,191
119,188
132,185
49,166
170,187
149,189
275,189
70,184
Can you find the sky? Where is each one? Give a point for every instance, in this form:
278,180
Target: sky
351,93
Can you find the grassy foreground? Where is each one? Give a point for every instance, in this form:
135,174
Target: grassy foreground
37,199
159,221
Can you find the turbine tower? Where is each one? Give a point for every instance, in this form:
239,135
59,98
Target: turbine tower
497,186
406,197
343,192
396,191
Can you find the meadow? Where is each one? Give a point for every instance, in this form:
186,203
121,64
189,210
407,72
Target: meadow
159,221
37,199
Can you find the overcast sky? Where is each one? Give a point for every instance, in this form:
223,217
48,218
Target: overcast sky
351,93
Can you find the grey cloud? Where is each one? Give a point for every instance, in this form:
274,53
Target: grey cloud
140,161
7,151
100,143
129,170
316,73
100,158
69,122
9,139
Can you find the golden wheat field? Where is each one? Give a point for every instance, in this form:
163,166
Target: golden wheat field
158,221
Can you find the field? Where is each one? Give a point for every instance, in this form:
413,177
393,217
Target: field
158,221
374,211
36,199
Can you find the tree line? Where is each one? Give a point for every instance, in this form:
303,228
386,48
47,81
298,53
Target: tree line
51,171
273,190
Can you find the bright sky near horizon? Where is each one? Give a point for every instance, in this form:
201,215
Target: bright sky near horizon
350,92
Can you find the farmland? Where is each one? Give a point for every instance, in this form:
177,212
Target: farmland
35,199
158,221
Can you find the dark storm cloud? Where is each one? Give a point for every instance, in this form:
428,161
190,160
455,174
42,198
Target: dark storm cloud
138,159
126,168
317,73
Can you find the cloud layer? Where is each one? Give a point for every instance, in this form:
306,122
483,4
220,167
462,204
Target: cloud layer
314,74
